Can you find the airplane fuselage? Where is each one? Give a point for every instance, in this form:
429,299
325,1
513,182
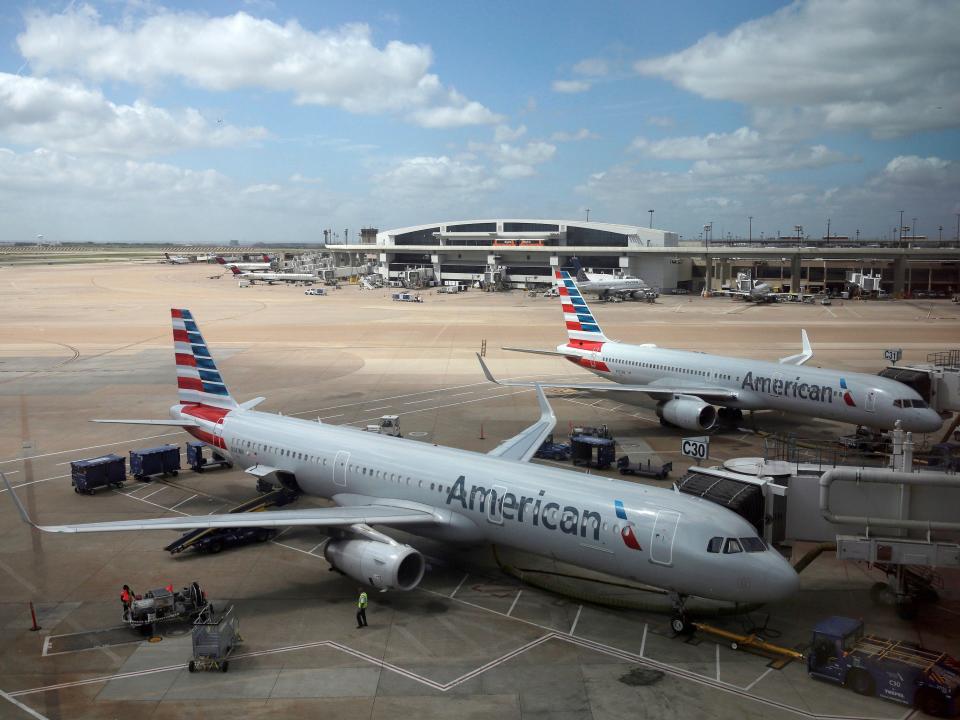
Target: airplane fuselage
642,533
850,397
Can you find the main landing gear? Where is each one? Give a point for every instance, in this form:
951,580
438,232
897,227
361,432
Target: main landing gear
679,622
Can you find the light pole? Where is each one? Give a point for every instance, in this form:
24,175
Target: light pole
900,230
958,228
940,230
828,229
858,235
750,231
588,214
651,218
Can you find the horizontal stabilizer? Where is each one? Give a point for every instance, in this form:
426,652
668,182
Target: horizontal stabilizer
185,422
535,352
251,404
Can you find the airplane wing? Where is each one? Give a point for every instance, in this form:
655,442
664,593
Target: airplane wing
803,356
523,445
344,517
710,394
185,422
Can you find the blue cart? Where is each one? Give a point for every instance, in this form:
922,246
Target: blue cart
198,462
104,471
163,460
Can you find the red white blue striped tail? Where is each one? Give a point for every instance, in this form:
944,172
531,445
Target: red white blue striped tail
582,328
198,380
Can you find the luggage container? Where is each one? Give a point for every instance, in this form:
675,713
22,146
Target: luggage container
213,641
163,460
198,463
104,471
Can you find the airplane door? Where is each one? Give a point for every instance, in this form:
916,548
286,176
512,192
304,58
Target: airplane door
871,402
495,508
340,468
218,434
662,536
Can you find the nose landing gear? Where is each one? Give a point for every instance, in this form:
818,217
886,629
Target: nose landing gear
679,622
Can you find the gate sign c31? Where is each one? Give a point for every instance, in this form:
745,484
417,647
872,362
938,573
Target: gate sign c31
697,447
893,355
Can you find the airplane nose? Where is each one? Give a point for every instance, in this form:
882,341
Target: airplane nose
925,421
782,581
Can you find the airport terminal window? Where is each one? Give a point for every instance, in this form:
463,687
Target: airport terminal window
715,544
529,227
473,227
417,237
732,547
753,544
599,238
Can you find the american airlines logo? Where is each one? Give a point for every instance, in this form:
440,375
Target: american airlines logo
522,509
629,539
795,389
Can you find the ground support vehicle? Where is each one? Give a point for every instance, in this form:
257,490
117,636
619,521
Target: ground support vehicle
592,451
214,639
197,461
406,297
895,670
163,460
165,605
657,472
213,540
388,425
315,291
551,450
105,471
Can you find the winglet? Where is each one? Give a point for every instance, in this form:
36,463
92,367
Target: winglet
20,508
803,356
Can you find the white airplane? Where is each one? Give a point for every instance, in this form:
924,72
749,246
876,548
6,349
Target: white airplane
753,290
688,386
638,532
246,266
176,259
271,277
605,286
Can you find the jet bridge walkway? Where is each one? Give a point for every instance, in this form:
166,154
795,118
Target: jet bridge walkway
275,498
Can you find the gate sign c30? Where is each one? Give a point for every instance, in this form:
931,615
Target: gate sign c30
698,447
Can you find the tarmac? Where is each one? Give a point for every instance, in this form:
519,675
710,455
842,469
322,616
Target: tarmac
93,341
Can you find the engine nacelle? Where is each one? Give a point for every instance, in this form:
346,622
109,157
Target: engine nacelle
383,566
688,412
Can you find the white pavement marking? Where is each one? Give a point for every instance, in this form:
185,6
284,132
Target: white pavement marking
29,710
329,417
34,482
461,394
643,643
417,402
438,407
291,547
573,627
459,585
91,447
766,672
717,646
382,407
514,603
182,502
153,493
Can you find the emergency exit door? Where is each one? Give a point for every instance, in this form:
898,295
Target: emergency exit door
340,468
662,537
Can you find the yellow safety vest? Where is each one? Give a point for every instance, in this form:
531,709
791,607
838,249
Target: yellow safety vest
362,601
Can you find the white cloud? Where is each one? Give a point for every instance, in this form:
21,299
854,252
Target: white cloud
592,67
920,172
68,116
581,134
505,133
570,86
514,161
745,150
889,67
339,68
424,176
664,121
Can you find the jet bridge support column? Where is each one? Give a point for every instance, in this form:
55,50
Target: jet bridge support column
795,271
708,275
899,275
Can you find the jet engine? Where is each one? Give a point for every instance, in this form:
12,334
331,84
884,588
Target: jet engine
381,565
688,412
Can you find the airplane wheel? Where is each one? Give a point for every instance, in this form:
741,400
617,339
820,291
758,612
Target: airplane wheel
76,489
680,625
932,703
225,666
191,666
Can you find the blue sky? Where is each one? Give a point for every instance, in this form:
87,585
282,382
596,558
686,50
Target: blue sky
270,121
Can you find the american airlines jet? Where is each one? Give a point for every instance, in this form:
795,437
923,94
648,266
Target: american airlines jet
246,266
271,277
606,286
688,386
651,535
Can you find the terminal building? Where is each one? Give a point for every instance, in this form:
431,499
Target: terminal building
521,253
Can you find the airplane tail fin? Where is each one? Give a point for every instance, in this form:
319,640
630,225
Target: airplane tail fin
578,266
266,258
221,261
198,380
235,270
583,330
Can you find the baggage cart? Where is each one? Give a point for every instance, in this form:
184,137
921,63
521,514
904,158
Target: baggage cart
199,463
163,460
104,471
657,472
214,639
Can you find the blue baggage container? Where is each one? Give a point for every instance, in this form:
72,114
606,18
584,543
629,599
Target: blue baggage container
104,471
163,460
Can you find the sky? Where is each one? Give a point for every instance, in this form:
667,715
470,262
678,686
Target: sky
262,121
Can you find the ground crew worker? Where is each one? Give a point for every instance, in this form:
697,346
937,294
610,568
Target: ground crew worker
126,597
362,608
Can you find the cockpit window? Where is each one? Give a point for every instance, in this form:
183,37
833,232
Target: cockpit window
910,402
715,544
920,404
753,544
732,546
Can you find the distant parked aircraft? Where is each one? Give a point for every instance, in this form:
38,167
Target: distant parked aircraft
265,265
272,277
176,259
605,286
